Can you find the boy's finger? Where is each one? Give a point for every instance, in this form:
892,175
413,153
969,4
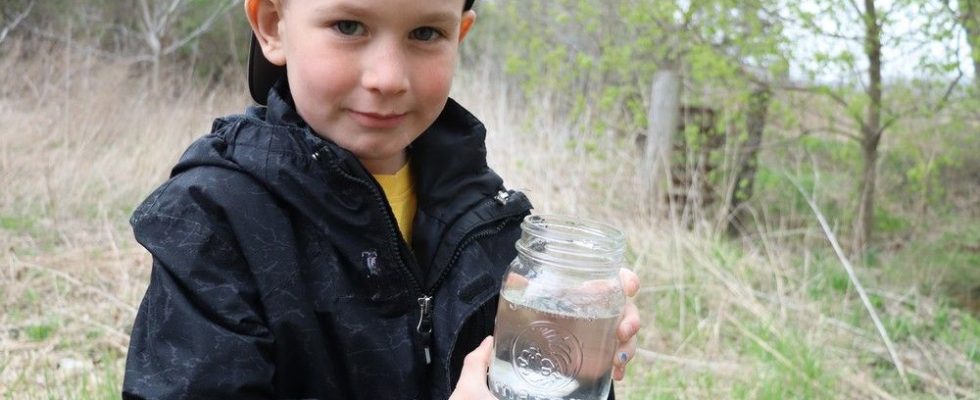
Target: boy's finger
619,373
515,281
631,282
624,353
630,324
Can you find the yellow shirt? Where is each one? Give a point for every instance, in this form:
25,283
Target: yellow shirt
400,192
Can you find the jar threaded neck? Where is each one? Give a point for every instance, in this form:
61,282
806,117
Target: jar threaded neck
572,243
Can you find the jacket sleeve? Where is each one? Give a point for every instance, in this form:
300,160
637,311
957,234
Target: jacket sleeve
200,331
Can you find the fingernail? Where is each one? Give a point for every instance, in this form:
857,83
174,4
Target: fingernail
623,357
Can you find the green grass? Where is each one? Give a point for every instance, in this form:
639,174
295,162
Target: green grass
18,223
948,260
789,367
670,383
103,382
38,333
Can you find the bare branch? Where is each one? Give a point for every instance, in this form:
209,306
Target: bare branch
836,97
145,13
816,29
840,36
204,27
16,21
895,117
149,27
834,131
88,49
949,91
857,9
165,18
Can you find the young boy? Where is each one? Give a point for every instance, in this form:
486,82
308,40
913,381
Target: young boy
345,239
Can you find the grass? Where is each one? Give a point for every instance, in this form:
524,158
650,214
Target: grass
771,316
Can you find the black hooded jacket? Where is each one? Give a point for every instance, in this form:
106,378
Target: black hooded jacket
279,272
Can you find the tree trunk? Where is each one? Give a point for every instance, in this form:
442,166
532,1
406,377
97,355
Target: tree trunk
970,19
664,118
870,129
748,159
866,219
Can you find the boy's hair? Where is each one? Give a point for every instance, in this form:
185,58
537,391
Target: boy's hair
262,74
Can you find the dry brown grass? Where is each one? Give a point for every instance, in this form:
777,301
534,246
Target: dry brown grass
81,142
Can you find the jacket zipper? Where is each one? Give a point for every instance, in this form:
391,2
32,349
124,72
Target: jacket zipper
466,242
393,238
425,299
424,327
425,317
425,302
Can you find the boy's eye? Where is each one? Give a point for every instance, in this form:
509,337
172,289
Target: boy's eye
349,28
425,34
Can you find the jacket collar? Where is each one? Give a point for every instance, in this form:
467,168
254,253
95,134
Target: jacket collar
448,159
280,108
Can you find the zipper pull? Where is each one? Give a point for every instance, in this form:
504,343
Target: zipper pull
502,197
319,153
424,327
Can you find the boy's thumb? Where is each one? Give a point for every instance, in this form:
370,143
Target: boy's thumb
473,378
476,363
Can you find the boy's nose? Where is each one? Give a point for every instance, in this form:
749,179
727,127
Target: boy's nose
386,70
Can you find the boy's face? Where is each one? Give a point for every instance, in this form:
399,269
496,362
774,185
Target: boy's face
371,75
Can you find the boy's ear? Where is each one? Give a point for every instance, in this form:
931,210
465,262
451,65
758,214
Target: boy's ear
469,17
265,16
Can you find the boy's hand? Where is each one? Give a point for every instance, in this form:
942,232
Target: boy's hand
628,326
472,383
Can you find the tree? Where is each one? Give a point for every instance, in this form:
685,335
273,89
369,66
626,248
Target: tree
664,118
141,32
858,88
747,160
969,18
871,127
626,65
748,35
159,26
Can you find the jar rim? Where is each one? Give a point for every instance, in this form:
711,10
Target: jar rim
571,242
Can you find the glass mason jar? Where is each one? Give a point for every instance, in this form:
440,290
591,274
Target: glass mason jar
560,302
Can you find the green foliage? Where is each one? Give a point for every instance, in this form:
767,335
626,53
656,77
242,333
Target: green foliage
39,332
888,222
604,55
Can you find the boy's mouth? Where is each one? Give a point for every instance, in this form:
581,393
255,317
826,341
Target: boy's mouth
377,120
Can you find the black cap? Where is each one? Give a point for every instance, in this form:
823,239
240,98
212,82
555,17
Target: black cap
262,74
